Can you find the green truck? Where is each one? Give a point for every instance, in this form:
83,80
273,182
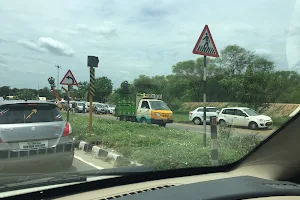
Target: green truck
144,108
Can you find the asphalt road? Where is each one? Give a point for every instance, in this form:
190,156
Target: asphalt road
200,128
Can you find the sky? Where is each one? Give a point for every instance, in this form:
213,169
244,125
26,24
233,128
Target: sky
135,37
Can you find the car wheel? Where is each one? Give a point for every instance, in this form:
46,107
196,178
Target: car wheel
197,121
253,125
222,122
163,125
67,164
143,120
123,118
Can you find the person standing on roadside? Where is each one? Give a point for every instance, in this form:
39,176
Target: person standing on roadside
83,108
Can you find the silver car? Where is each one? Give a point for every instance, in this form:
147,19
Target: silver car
33,133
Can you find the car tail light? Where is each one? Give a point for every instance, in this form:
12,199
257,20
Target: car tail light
67,129
0,140
191,113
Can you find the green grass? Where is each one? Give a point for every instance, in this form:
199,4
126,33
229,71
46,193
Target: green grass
159,147
181,118
279,121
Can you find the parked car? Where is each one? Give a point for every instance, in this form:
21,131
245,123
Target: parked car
79,107
33,133
197,116
99,109
111,109
242,116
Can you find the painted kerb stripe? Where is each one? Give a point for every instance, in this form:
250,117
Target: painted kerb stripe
92,81
214,141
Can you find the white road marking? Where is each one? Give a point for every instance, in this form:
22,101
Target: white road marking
91,164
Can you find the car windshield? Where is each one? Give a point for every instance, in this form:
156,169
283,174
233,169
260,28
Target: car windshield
148,68
159,105
250,112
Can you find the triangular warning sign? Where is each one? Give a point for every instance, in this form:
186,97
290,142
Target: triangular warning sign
68,79
205,44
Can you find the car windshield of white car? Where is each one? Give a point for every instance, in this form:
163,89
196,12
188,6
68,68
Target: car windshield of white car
251,112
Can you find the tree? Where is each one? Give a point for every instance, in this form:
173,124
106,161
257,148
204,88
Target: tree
26,93
124,89
143,84
82,90
45,92
103,88
4,91
257,92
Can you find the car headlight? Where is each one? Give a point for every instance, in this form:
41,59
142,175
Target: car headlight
157,114
262,120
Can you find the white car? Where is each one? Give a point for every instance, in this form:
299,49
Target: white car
196,116
242,116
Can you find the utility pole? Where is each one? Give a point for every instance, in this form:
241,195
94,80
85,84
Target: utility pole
57,81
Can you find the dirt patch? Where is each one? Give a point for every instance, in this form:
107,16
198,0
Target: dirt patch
274,110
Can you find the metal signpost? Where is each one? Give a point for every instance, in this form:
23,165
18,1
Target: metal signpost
205,46
92,62
68,80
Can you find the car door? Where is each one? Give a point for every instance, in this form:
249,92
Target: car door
144,111
229,116
240,118
210,112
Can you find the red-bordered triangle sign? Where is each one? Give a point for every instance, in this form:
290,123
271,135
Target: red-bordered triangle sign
205,44
68,79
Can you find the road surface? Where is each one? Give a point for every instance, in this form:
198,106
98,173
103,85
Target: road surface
199,128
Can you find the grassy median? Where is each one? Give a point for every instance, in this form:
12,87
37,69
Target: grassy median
160,147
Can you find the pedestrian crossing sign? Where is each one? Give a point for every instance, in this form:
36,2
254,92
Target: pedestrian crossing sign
205,44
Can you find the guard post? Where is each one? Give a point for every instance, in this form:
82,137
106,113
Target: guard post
214,141
92,62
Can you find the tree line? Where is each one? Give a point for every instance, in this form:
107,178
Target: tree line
238,75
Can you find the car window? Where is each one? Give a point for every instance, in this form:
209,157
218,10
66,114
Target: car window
228,111
211,109
29,113
200,110
145,104
240,113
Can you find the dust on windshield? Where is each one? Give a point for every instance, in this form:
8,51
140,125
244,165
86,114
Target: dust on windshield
169,56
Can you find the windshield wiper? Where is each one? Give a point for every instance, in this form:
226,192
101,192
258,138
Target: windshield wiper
10,182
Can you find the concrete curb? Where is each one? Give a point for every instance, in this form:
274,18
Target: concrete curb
100,152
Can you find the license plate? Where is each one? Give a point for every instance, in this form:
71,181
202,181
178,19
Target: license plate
34,144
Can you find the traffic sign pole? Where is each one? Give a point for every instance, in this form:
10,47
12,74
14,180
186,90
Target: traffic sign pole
68,80
204,102
92,93
205,46
68,102
92,62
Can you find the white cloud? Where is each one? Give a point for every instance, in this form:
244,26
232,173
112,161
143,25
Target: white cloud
31,45
48,44
55,46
